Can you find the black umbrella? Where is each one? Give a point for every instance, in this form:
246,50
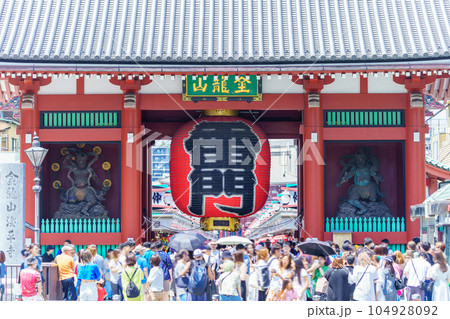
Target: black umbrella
316,247
193,234
186,241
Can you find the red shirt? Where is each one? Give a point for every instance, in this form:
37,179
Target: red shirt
28,279
101,293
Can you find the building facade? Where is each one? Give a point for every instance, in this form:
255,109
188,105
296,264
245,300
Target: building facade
108,80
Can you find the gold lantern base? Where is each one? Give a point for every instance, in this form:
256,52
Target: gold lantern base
221,112
220,223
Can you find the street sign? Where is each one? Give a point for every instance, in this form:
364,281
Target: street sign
222,88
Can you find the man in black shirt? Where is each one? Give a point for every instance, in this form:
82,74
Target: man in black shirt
48,256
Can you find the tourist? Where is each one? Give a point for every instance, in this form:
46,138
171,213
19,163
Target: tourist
288,293
199,274
385,242
66,242
35,250
385,286
156,279
319,268
167,267
101,291
287,249
416,270
132,275
368,246
2,274
338,285
440,273
211,262
301,279
262,256
96,258
107,274
349,267
142,262
214,251
285,270
88,274
441,246
47,257
251,253
150,250
364,277
229,283
30,281
242,269
115,269
66,269
181,282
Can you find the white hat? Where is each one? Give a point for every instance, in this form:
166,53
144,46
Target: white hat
197,253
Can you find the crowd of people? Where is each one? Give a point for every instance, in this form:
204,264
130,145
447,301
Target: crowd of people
255,272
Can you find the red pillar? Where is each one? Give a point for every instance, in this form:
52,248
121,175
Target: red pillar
313,174
433,185
415,178
30,123
130,174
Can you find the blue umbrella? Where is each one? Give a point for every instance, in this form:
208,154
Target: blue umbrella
186,241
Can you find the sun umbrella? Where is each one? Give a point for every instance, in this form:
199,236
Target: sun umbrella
186,241
233,240
193,234
316,247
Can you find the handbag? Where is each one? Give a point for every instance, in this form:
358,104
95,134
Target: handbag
429,285
322,285
182,282
399,284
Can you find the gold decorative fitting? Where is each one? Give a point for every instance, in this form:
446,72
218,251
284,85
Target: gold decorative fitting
80,145
55,167
56,184
221,112
220,223
107,183
64,151
97,150
106,166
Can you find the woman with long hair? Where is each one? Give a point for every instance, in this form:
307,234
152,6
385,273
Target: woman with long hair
400,261
440,273
250,248
241,268
288,293
385,286
261,262
319,268
88,275
286,271
338,285
301,278
134,274
115,268
364,277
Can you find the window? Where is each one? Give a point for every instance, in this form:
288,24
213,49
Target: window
15,145
4,140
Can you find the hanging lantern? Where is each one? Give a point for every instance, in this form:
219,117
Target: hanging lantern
220,170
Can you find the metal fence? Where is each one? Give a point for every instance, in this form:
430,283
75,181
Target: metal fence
363,224
104,225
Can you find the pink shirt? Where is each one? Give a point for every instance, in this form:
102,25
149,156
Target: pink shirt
28,280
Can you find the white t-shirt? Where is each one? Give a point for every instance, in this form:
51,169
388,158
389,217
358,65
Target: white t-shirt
365,290
421,268
274,264
115,276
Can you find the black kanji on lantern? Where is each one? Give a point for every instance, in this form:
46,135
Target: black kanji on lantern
223,158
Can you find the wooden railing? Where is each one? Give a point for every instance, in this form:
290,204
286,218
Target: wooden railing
52,289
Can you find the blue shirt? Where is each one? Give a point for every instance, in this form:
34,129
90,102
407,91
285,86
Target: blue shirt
148,254
165,264
142,263
247,262
89,272
2,270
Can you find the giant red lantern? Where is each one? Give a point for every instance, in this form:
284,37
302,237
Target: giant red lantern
220,167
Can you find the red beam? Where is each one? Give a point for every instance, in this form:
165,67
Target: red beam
377,237
437,172
80,135
81,238
86,102
358,101
175,102
364,133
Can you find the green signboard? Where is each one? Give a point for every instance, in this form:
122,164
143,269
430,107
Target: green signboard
222,88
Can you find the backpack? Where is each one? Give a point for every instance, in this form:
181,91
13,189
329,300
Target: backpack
264,275
198,280
389,284
132,290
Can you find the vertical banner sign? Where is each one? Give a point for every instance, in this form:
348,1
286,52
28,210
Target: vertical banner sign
12,211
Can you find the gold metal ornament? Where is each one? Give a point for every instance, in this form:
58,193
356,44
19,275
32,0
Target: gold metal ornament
64,151
107,183
80,145
106,166
97,150
56,184
55,167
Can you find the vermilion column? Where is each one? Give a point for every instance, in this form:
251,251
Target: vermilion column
130,173
414,164
313,173
433,185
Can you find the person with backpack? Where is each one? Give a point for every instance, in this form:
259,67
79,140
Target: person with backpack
229,283
199,273
386,281
155,279
167,267
131,278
